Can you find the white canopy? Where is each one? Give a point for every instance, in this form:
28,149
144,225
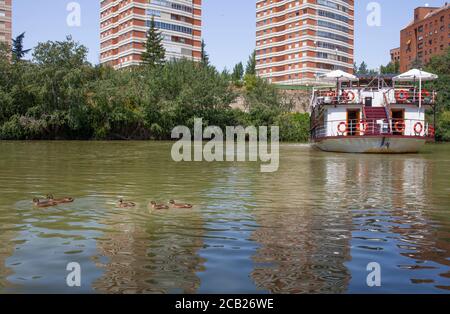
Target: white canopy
415,74
339,76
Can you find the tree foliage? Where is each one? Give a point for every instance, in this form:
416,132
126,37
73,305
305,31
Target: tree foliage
391,68
238,74
204,54
440,65
59,95
155,53
363,69
18,51
250,68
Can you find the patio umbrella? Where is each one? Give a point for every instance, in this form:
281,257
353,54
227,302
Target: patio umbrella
338,76
412,76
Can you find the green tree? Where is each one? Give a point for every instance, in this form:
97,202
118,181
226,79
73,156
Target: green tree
238,73
250,68
18,52
390,68
205,57
154,54
362,69
59,95
440,65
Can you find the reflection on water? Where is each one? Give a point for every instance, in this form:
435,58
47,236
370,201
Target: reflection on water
304,235
311,227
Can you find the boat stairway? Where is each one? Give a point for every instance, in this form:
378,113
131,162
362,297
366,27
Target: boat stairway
375,114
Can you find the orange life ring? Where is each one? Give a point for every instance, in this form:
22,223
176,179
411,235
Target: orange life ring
426,93
419,130
401,95
352,94
344,124
399,126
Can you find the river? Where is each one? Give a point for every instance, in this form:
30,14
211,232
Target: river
311,227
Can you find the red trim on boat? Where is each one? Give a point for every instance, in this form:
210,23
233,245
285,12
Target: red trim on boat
374,136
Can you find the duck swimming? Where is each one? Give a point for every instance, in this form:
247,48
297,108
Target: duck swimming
176,205
122,204
43,203
60,200
158,206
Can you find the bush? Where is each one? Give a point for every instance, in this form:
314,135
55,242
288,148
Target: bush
294,127
443,126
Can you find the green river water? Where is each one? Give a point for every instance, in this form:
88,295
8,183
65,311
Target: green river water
311,227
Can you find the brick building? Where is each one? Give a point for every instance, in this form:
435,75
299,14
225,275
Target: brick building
426,36
299,40
395,55
5,21
124,24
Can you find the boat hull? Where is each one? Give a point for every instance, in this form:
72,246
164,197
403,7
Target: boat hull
371,145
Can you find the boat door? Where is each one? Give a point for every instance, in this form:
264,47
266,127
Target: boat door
353,121
398,121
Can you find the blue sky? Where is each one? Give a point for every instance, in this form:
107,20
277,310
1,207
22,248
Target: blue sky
228,27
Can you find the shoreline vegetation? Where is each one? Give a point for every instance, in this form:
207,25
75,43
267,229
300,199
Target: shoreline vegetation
58,95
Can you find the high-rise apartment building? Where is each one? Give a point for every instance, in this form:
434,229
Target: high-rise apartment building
124,25
426,36
5,21
299,40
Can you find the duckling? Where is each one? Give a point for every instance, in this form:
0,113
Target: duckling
60,200
122,204
175,205
158,206
43,203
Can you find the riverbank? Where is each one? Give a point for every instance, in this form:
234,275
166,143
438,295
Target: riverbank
59,95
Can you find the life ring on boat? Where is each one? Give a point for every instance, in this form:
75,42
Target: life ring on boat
401,95
399,126
425,93
418,128
350,96
340,129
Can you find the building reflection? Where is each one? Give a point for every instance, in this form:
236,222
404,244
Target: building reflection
157,256
304,237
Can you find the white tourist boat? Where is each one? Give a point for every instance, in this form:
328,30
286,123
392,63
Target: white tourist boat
382,114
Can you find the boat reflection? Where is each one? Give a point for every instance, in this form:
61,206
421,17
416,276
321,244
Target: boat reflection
390,200
304,233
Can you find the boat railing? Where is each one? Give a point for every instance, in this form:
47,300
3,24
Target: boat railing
331,97
399,95
372,127
412,96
